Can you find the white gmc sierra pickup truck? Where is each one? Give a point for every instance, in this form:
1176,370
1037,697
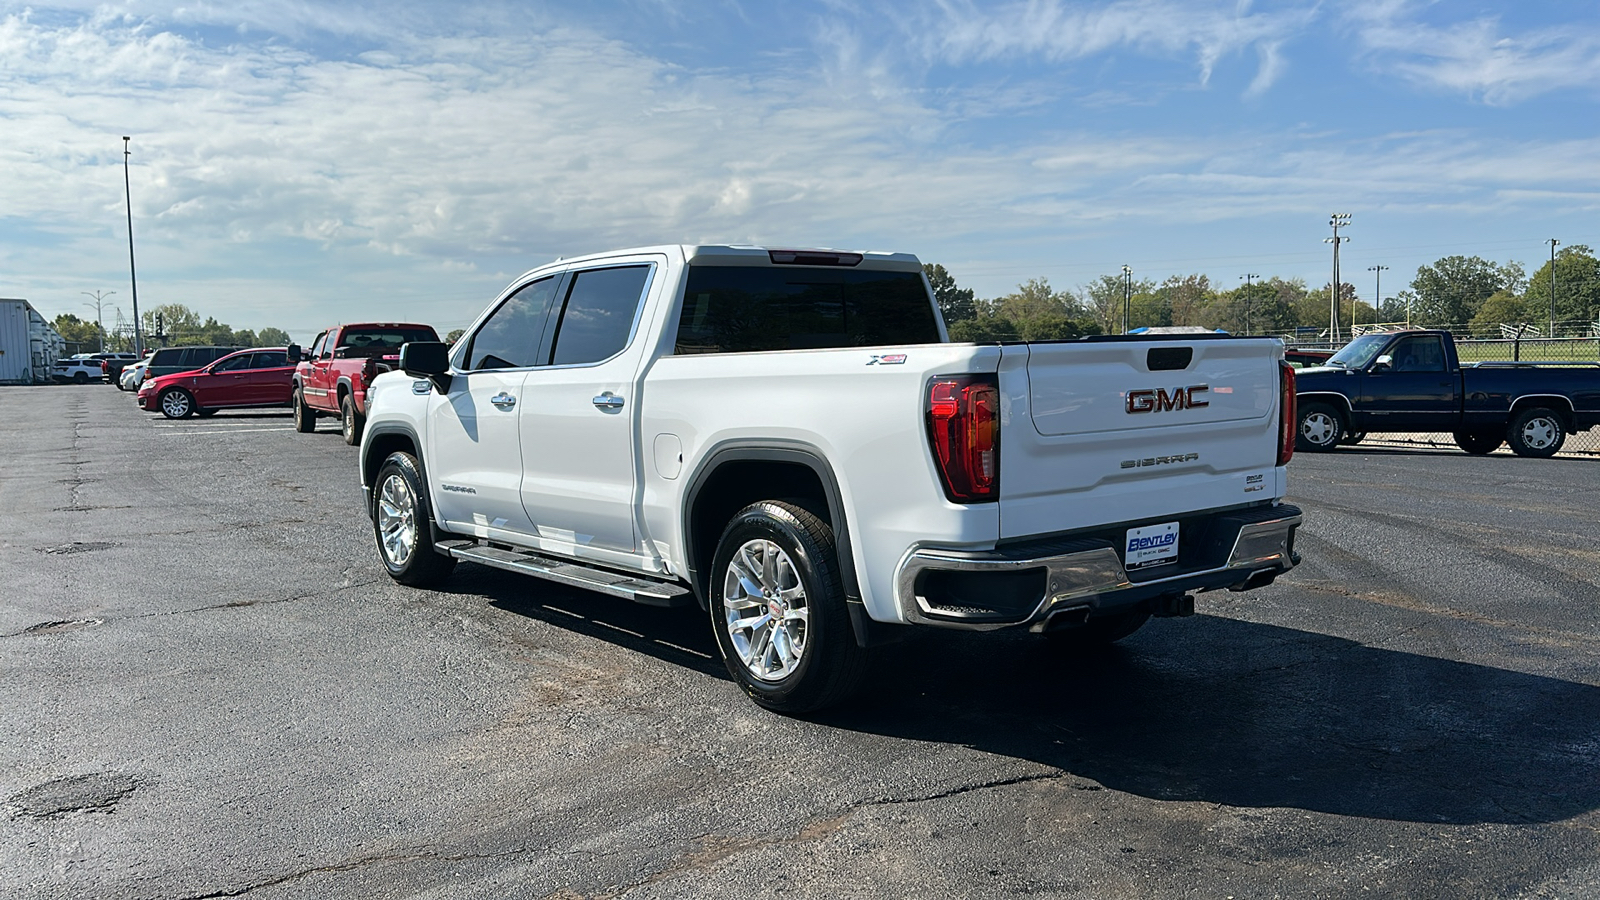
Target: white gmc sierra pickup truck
788,439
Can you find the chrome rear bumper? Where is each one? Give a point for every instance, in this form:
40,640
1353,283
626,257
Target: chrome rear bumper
1092,577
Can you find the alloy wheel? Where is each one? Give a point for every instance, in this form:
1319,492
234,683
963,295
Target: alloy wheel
765,610
397,520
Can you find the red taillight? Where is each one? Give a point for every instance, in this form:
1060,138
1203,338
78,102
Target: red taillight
964,429
1287,426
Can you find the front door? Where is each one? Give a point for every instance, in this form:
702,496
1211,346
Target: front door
474,458
579,409
1410,387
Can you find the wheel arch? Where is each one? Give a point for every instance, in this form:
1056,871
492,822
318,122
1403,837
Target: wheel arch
737,473
1301,399
1560,403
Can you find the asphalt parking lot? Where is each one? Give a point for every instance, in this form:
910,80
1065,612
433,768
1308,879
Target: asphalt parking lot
211,689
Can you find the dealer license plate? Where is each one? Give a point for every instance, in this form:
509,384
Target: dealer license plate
1152,545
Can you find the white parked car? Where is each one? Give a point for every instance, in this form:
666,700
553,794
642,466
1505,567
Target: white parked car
132,375
787,439
78,370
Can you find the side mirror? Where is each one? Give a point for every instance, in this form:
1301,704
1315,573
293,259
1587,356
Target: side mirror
1383,362
427,359
294,354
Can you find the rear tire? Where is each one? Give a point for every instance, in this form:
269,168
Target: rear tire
1478,443
305,418
350,421
81,378
402,524
1320,428
1538,433
778,610
1099,632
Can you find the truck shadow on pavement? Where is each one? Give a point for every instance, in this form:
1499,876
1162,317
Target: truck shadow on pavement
1208,710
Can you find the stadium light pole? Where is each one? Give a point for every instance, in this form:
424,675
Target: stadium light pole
1337,220
1127,296
133,278
1552,242
1248,277
100,327
1377,290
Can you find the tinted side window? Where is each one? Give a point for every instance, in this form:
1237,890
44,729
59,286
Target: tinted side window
163,357
1419,354
270,359
236,364
598,315
195,357
733,309
509,339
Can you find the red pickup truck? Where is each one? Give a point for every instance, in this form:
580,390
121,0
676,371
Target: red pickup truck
332,379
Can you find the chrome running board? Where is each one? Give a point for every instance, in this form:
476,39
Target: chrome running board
628,587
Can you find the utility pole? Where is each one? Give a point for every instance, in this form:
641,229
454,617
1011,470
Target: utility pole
1552,242
1127,296
1377,290
1337,220
133,278
100,327
1248,278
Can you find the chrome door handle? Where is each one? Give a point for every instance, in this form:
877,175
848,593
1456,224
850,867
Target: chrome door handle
608,400
503,400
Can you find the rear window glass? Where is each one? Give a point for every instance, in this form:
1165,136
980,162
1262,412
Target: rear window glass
382,341
734,309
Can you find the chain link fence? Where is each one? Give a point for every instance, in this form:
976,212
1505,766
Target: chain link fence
1580,345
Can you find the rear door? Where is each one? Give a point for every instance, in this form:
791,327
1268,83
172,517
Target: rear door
1125,430
579,409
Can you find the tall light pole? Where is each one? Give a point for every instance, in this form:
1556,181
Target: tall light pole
1248,277
1552,242
1377,290
1337,220
133,278
100,327
1127,296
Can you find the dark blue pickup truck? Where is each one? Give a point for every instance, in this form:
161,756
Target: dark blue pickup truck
1413,381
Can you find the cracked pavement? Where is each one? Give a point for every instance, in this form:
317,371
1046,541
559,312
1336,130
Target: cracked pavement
216,692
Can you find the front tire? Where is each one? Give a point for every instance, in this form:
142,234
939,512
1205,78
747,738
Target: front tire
401,524
350,421
176,403
1321,426
1538,433
305,418
778,610
1478,443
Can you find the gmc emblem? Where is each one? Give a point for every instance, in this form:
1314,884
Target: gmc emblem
1159,400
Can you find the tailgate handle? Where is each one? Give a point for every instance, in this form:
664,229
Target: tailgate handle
1168,359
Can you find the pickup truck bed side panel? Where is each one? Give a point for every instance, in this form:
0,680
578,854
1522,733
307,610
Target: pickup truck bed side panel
867,420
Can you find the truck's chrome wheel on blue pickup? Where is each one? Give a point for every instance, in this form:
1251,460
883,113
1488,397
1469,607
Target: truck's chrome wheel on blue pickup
402,524
778,609
1537,433
764,605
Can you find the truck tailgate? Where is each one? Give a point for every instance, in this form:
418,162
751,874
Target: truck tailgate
1127,430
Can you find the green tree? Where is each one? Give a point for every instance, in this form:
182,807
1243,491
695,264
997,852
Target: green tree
1503,307
1451,291
246,338
75,330
1103,300
1186,298
1577,286
454,335
274,337
179,323
957,304
1038,312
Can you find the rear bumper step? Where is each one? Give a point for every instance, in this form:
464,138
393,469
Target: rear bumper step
628,587
1004,588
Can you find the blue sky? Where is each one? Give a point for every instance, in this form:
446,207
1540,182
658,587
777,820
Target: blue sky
300,163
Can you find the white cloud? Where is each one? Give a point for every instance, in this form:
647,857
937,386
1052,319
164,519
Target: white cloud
1477,58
